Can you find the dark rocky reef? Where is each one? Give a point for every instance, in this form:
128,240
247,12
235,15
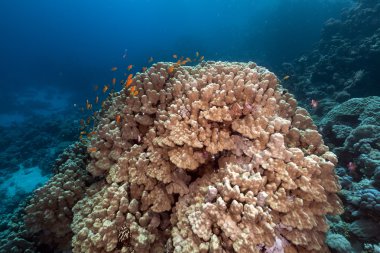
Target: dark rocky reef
352,130
344,63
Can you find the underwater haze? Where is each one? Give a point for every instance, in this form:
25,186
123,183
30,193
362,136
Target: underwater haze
54,52
160,126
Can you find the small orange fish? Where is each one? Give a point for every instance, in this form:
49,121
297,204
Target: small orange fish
135,93
197,54
188,59
113,81
129,82
202,58
130,67
171,69
183,62
96,87
105,88
83,132
285,78
118,118
150,59
133,88
175,56
96,99
143,69
92,149
314,103
113,68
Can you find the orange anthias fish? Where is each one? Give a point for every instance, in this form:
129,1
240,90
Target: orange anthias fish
171,69
105,88
130,67
129,80
113,81
150,59
91,149
113,68
175,56
314,103
118,118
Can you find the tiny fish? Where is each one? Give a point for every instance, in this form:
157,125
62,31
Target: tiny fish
188,59
129,80
130,67
91,149
150,59
197,54
285,78
135,93
82,122
351,166
175,56
314,103
113,68
183,62
171,69
96,99
83,132
118,118
202,58
105,88
113,81
88,120
133,88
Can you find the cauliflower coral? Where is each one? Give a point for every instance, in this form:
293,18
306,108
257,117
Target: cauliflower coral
211,158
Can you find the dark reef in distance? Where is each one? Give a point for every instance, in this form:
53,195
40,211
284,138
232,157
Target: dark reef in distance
345,62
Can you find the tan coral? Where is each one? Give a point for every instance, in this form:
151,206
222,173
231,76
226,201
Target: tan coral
210,158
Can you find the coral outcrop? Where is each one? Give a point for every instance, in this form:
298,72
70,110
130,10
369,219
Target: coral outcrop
344,64
43,223
352,130
215,157
211,158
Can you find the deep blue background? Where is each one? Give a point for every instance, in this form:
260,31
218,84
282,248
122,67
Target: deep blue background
53,52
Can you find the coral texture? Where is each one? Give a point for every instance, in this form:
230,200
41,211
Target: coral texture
48,214
211,158
344,64
352,130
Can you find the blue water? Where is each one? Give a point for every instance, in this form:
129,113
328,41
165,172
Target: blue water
53,52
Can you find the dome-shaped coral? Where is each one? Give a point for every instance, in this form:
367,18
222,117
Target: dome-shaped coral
211,158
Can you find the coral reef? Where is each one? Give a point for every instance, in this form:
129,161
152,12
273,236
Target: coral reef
344,64
352,132
211,158
44,220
